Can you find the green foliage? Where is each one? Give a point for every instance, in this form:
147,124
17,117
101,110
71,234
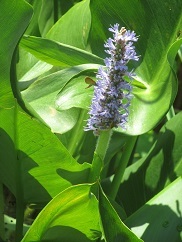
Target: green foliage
47,161
41,95
71,214
152,80
10,37
36,158
117,229
152,173
160,218
57,54
156,24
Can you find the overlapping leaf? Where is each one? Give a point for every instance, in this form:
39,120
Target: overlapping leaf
158,168
73,27
56,53
160,218
155,86
41,98
71,215
113,228
34,157
31,155
12,13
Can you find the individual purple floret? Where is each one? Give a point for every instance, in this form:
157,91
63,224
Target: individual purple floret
112,94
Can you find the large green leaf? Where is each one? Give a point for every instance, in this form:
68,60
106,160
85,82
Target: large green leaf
66,31
158,168
56,53
114,230
50,12
73,27
44,105
29,152
31,156
160,218
40,97
157,25
14,18
71,216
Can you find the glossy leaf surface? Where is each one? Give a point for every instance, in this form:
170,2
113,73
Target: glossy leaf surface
72,214
73,27
41,98
160,218
56,53
32,156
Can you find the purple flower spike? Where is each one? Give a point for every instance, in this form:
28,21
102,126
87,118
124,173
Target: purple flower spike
112,94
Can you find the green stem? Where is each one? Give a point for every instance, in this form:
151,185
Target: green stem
77,133
19,187
103,143
122,166
55,11
19,220
170,113
2,231
99,155
13,80
180,55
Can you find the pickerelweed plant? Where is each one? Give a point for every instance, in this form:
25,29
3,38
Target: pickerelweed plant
112,93
49,165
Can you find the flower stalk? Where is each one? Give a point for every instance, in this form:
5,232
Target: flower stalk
103,143
112,96
122,166
112,93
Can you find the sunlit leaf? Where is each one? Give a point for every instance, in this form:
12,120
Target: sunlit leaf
41,98
73,27
32,156
74,94
158,168
160,218
155,85
56,53
12,13
71,215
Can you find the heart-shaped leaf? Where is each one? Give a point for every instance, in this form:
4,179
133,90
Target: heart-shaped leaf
72,214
